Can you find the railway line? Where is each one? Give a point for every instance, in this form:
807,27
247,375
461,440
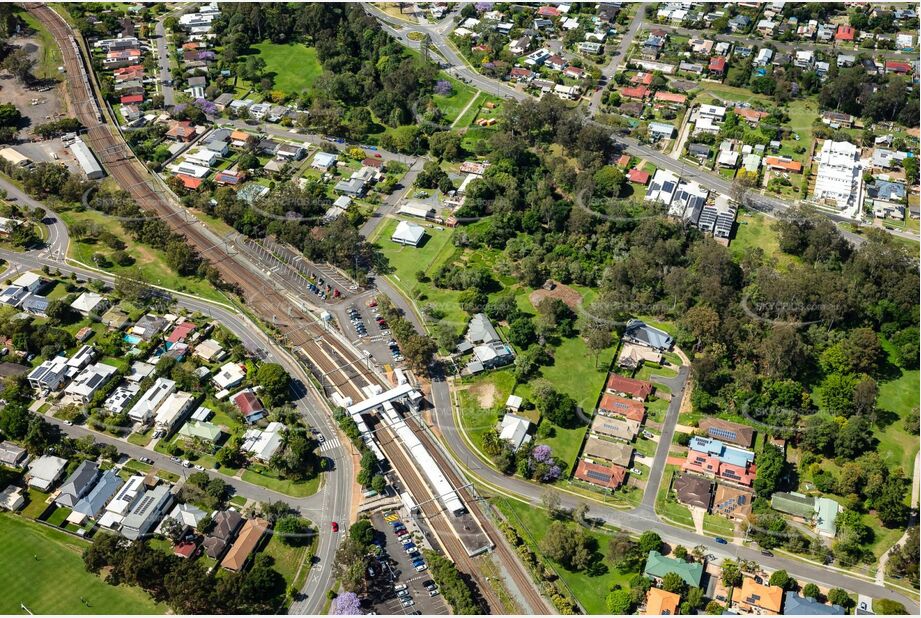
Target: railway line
335,364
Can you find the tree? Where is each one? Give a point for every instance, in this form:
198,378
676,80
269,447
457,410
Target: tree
619,602
348,604
731,574
521,332
597,338
782,579
904,559
649,541
837,596
889,607
275,383
10,116
551,500
854,438
714,608
811,591
20,63
446,145
293,530
770,462
890,504
362,531
672,582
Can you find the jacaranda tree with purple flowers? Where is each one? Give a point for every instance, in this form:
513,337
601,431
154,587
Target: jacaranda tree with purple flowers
348,604
443,87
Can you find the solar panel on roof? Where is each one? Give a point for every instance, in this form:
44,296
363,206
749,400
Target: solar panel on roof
599,476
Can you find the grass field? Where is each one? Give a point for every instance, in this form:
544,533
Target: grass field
298,489
899,397
43,569
292,562
295,66
754,230
48,58
590,590
149,264
452,105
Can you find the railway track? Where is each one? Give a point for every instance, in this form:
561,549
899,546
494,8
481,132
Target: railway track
336,364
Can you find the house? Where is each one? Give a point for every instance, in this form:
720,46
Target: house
845,34
617,406
209,350
14,157
640,333
661,130
701,47
151,400
590,47
229,376
247,541
713,458
522,75
537,57
675,98
783,164
90,303
203,156
353,187
693,490
825,32
118,400
727,431
489,356
263,443
570,93
514,430
662,188
795,605
728,159
846,60
606,477
740,23
49,375
146,512
633,356
187,515
223,100
622,429
897,67
574,72
839,180
766,27
408,234
202,430
616,453
699,151
172,412
78,484
249,405
114,319
417,209
45,471
226,525
836,120
139,370
755,598
12,498
661,603
555,63
718,218
11,455
750,115
658,566
804,59
732,502
638,176
89,381
904,41
764,57
180,131
148,326
639,390
717,66
95,500
323,161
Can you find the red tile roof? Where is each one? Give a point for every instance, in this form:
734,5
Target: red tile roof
635,388
783,164
750,114
603,476
189,182
372,162
247,402
895,66
623,161
718,64
638,176
132,98
642,78
845,33
548,11
185,549
628,408
635,92
181,332
574,71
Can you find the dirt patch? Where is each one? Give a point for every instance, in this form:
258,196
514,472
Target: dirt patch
565,293
485,393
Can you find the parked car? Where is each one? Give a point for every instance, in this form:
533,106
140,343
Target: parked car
721,540
335,526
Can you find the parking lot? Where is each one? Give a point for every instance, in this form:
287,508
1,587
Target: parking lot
364,326
416,595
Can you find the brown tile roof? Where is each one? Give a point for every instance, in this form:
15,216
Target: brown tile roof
245,544
608,477
694,490
731,501
621,406
727,431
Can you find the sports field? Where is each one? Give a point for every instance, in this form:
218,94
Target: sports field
43,570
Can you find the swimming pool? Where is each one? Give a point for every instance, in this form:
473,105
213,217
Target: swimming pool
132,339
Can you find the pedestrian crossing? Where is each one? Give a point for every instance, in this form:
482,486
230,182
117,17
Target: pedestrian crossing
331,444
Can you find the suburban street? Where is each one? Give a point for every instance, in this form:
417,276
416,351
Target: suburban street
333,502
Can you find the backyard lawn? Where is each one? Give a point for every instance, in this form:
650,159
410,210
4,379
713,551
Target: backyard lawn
294,65
898,397
43,570
590,590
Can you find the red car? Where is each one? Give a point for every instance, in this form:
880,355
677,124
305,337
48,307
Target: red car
335,526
